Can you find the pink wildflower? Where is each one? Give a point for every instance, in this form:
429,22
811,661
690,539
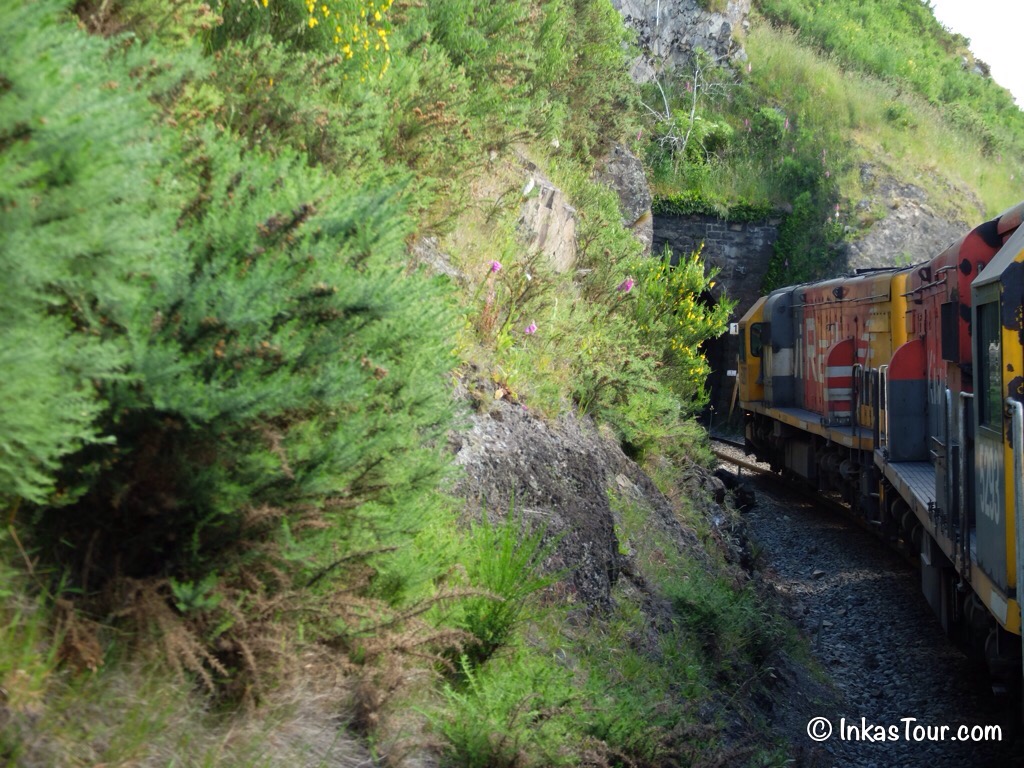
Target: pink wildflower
827,174
786,125
626,285
749,67
495,266
531,328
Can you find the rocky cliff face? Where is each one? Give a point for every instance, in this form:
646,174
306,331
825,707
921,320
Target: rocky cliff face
671,31
910,231
557,475
621,170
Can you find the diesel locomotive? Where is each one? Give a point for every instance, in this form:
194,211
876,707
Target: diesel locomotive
902,389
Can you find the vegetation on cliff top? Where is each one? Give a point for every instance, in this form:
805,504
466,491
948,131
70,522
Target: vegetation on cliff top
826,92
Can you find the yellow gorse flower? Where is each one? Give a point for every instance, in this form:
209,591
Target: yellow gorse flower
360,28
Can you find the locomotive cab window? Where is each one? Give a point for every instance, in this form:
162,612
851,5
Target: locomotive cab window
990,367
756,339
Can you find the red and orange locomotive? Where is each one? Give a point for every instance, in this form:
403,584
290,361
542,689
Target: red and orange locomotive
903,389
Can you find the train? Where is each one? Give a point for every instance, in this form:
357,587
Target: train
902,391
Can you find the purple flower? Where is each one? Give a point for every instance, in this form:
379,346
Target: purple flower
531,328
626,285
749,67
786,126
495,266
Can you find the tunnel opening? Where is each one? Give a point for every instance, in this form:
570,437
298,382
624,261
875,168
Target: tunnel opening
718,414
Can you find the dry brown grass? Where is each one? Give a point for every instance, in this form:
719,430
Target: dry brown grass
302,703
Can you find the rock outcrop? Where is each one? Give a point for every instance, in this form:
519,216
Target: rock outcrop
621,170
547,222
671,31
557,474
427,252
911,231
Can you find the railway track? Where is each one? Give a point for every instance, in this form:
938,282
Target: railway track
730,456
859,606
828,502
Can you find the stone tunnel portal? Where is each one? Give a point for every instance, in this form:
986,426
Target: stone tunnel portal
741,252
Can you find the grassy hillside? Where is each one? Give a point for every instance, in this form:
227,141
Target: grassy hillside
826,91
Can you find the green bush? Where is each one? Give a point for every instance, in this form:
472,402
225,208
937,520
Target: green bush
519,711
293,365
698,202
507,563
769,126
86,235
676,314
805,249
218,331
898,114
601,99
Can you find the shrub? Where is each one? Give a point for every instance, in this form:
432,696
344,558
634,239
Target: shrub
698,202
676,313
292,366
220,331
85,237
805,249
899,114
517,712
508,564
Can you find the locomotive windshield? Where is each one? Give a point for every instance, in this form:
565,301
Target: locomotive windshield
756,340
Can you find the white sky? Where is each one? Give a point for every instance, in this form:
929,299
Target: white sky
994,29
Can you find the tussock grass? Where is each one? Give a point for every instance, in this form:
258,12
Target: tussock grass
806,130
890,126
